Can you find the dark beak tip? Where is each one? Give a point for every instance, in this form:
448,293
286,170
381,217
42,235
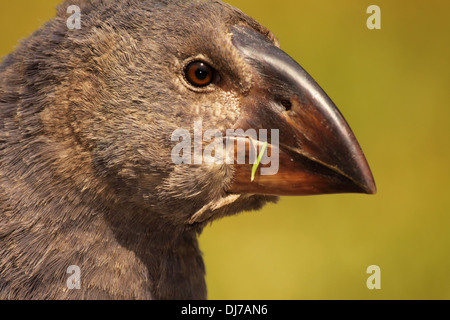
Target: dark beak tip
362,174
364,178
370,186
367,188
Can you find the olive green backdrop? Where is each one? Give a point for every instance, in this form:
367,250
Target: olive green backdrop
392,85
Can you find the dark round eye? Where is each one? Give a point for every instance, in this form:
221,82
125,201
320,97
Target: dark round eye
199,74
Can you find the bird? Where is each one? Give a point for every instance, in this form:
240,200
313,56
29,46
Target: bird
87,122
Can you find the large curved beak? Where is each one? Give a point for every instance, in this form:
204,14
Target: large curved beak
311,149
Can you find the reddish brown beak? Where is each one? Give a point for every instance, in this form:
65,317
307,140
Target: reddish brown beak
317,153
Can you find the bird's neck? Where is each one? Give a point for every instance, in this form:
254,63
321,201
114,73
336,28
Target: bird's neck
170,254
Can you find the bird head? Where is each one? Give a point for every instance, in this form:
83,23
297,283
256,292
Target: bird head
137,72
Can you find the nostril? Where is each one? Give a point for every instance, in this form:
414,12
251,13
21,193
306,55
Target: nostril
287,104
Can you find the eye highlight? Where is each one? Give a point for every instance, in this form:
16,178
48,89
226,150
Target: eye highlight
199,74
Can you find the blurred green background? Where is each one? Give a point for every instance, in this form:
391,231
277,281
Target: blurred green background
392,85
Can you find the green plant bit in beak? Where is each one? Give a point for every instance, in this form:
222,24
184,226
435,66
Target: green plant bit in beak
258,160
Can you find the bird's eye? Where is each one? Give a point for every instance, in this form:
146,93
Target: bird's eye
199,74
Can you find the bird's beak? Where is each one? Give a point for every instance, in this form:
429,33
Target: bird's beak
312,148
